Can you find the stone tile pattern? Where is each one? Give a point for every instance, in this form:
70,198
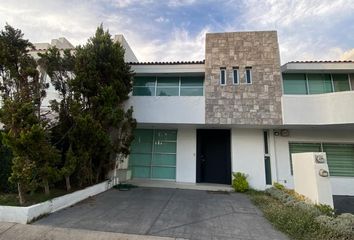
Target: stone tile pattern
258,103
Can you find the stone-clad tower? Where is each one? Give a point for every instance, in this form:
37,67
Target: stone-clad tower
257,103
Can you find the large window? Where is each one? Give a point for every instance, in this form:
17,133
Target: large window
340,157
294,83
153,154
319,83
297,83
168,86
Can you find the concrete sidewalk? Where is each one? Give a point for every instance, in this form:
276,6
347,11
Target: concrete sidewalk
15,231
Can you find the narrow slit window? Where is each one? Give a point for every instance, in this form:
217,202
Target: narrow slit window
235,75
248,75
222,76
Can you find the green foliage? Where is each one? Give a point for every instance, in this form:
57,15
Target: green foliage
278,186
301,219
5,168
325,209
22,91
239,182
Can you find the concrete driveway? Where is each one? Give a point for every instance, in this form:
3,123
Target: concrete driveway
189,214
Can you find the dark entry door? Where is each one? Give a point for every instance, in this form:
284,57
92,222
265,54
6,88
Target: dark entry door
213,156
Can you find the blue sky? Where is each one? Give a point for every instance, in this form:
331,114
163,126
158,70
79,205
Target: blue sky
162,30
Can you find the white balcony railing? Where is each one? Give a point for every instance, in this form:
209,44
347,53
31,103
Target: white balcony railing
168,109
319,109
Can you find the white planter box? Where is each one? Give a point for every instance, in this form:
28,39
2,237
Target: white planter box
27,214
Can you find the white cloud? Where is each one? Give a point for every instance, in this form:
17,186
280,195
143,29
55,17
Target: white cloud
304,27
162,19
178,3
347,55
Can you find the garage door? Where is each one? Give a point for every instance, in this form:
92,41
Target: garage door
153,154
340,157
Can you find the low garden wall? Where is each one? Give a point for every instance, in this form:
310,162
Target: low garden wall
27,214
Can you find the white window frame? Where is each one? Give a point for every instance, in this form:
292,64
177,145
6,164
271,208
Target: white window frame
237,76
225,75
248,69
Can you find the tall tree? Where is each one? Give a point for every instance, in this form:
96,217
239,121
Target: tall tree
59,65
22,92
102,82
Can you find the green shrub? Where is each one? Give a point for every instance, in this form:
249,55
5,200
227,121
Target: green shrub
239,183
278,186
325,209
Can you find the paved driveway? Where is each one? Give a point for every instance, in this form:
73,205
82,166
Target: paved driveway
189,214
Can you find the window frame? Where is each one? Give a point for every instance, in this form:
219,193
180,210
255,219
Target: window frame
246,78
235,69
223,69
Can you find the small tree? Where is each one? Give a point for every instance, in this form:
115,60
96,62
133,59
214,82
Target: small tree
22,91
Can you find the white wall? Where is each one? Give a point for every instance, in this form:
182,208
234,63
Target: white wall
329,108
168,109
340,185
186,155
248,155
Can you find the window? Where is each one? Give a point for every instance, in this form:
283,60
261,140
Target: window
153,154
191,86
235,75
340,157
144,86
267,164
316,83
319,83
294,83
248,75
168,86
340,82
222,76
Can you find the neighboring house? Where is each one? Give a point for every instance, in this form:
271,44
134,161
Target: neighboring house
240,111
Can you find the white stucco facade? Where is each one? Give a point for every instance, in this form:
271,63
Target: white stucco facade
171,109
186,155
340,185
318,109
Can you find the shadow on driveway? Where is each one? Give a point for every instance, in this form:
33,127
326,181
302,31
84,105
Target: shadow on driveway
190,214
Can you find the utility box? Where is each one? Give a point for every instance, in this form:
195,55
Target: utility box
311,177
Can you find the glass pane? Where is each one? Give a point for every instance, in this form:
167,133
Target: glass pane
172,91
235,76
164,160
143,91
164,172
168,81
302,147
144,81
340,159
192,91
294,83
248,76
164,147
192,81
170,135
222,76
142,142
138,159
340,82
141,172
319,83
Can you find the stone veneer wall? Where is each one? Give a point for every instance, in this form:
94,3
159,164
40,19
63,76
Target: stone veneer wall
258,103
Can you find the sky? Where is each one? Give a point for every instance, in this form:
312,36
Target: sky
174,30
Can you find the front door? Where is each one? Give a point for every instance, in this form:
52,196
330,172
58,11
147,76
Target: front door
213,156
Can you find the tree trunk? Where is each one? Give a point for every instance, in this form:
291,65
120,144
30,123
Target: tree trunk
21,194
46,186
67,181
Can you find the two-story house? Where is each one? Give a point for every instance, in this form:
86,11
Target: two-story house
239,110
